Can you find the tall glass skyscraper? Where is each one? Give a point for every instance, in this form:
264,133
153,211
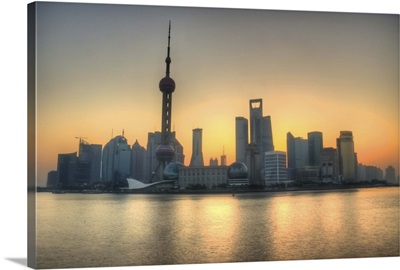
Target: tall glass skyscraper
242,138
315,145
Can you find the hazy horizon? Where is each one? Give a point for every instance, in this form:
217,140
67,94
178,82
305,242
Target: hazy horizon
99,66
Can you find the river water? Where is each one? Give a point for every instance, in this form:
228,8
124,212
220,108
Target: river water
88,230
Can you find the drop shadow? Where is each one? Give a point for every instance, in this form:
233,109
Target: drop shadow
20,261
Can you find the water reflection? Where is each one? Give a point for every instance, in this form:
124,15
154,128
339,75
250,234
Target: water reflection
80,230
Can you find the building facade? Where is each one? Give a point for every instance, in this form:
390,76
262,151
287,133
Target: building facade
242,138
209,176
138,162
275,168
329,164
197,148
347,157
116,160
315,145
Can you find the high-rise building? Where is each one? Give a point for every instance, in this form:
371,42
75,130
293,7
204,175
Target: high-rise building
89,163
66,168
329,164
116,160
275,167
315,145
52,177
260,127
347,157
390,175
297,154
242,138
138,159
197,148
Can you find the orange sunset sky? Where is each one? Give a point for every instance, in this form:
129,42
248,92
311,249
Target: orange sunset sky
98,69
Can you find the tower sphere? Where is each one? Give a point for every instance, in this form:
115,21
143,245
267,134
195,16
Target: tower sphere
165,152
167,85
237,170
171,172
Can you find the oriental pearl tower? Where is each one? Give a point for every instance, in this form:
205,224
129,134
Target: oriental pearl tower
165,152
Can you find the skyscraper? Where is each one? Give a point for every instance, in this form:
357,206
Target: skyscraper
197,148
242,138
315,145
297,154
116,159
347,157
138,159
275,167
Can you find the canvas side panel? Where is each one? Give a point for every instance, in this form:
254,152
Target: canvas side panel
31,134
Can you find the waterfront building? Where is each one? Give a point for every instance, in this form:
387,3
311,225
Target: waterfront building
297,155
197,148
52,177
89,163
116,160
308,174
329,164
242,138
207,176
315,145
66,168
213,162
138,161
238,175
223,157
369,173
347,157
390,175
275,168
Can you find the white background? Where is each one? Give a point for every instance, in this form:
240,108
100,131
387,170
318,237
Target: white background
13,104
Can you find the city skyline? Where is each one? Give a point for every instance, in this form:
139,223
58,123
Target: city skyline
105,71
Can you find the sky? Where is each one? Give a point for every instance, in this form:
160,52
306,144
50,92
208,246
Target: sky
99,65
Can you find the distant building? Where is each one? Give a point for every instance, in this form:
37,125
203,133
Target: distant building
223,160
242,138
138,162
253,163
213,162
347,157
66,168
52,178
238,175
390,175
308,174
197,148
89,163
315,145
275,167
297,154
329,164
116,160
368,173
202,176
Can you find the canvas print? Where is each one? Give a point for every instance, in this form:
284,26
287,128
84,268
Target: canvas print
166,135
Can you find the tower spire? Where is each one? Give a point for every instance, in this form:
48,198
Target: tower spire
168,59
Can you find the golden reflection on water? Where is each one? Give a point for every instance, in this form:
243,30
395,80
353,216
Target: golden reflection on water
79,230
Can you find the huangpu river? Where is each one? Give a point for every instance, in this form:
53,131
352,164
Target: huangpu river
88,230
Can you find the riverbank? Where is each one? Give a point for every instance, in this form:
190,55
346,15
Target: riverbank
229,190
